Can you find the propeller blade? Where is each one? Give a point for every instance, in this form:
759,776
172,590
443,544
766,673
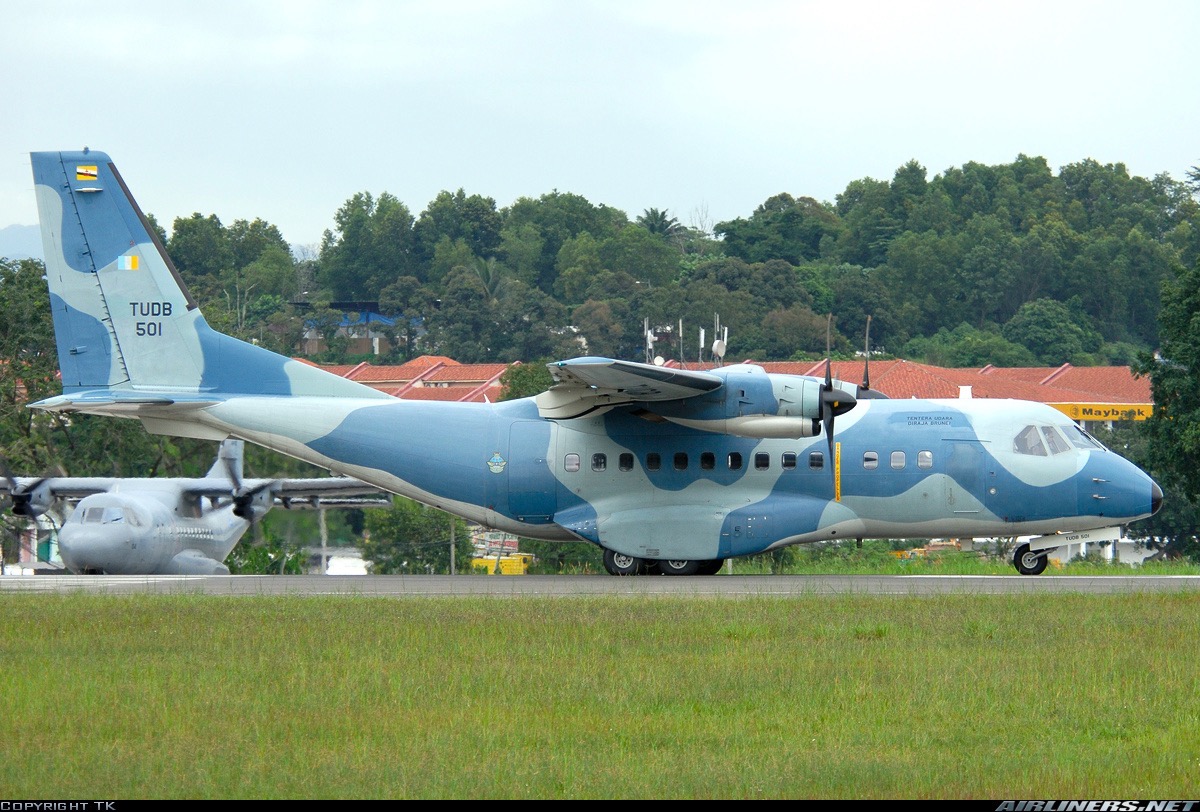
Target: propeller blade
833,401
867,358
253,503
827,413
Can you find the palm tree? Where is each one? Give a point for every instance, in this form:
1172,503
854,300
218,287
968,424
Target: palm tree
659,222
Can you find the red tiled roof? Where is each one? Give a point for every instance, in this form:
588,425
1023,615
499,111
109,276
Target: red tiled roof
909,379
373,375
434,377
1107,384
467,373
453,394
424,362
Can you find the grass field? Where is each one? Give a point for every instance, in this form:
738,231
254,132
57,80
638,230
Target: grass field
947,697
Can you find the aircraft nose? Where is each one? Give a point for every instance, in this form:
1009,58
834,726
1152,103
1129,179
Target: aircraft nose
1156,497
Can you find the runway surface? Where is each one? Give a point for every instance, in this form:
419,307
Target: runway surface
727,586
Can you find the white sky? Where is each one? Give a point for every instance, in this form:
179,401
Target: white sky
283,110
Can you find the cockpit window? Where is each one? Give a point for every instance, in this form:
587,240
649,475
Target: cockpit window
1029,442
1054,440
1081,439
103,515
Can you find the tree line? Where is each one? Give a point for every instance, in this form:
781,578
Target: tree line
1010,264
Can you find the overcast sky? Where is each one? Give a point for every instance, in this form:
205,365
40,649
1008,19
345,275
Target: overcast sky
283,110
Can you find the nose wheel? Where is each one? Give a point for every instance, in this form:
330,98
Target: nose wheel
1029,562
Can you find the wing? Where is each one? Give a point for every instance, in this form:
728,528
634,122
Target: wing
740,399
33,496
330,491
583,385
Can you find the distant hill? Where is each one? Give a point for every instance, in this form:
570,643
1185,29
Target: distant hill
19,242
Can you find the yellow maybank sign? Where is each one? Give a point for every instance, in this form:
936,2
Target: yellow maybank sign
1105,411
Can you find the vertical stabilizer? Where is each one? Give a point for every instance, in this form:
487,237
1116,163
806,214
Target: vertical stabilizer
123,318
103,260
229,461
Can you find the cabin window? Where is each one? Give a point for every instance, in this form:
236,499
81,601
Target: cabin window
599,462
93,515
571,463
816,460
681,460
708,460
870,460
625,462
735,461
762,461
788,460
653,461
1029,442
1054,440
924,459
898,460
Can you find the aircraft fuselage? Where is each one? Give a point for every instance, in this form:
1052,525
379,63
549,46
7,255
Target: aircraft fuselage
128,534
654,489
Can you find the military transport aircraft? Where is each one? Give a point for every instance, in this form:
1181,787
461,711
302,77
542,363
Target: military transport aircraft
173,526
666,469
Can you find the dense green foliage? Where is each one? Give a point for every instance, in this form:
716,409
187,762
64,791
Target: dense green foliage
412,538
1006,264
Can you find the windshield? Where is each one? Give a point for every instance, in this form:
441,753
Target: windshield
1081,439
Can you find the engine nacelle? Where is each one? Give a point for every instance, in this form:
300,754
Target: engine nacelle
254,505
32,501
772,427
759,406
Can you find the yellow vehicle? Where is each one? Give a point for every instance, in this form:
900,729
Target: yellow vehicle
511,564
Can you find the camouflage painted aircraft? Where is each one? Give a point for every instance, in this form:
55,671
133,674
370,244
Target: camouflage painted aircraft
172,525
667,470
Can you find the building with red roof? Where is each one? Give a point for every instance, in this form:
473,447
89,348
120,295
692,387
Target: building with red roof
1082,393
429,377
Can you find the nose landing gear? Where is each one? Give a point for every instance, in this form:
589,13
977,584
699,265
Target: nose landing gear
1029,562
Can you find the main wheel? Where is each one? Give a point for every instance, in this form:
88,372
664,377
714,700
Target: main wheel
1028,562
621,564
710,567
678,567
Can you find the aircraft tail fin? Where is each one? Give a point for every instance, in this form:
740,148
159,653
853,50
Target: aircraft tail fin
229,461
124,320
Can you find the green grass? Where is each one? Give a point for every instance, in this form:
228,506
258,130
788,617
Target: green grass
619,697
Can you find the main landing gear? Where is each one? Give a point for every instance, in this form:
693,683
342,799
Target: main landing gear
1030,562
622,564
